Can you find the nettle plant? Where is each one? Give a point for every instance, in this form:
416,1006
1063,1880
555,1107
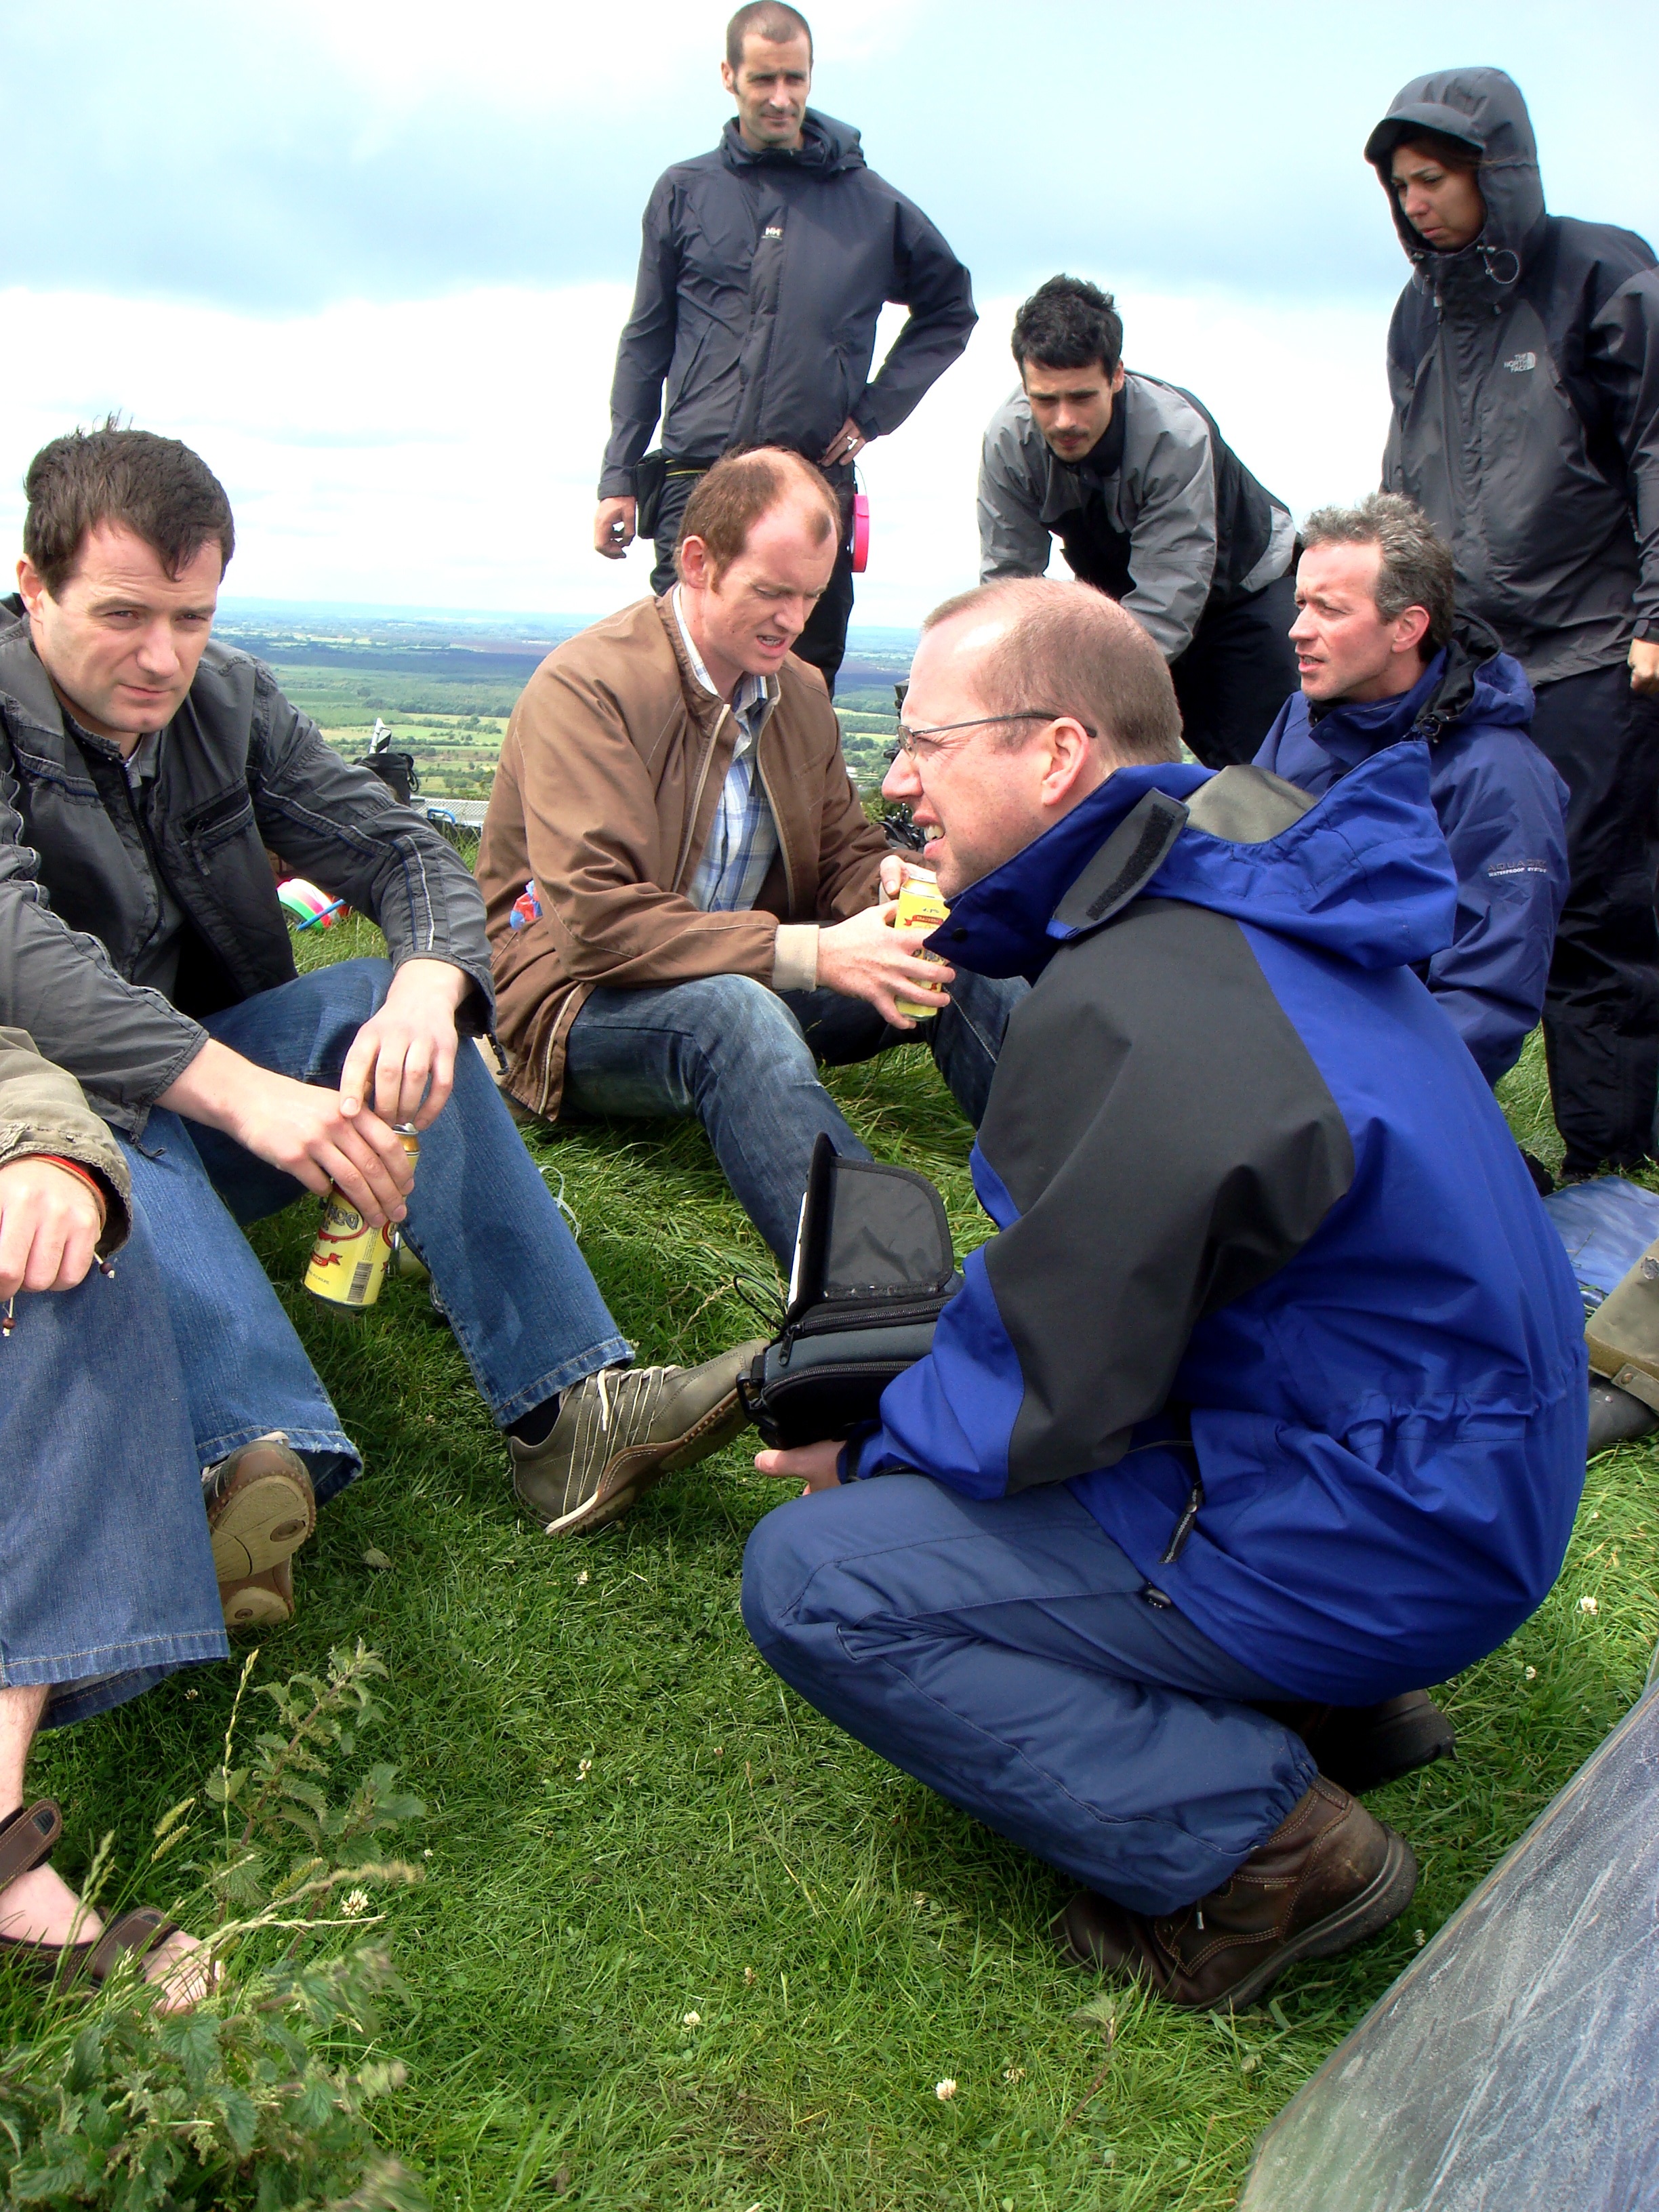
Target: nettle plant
257,2096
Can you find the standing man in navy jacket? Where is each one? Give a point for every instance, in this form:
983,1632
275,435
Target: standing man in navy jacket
1523,363
764,269
1270,1385
1383,659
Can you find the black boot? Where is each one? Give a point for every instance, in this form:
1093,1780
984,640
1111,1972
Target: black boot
1360,1747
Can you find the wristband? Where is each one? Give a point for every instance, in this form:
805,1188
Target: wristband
74,1168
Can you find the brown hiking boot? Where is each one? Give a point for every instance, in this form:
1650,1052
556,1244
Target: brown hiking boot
1622,1334
619,1432
260,1508
1328,1877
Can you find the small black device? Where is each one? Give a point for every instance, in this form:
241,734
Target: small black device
874,1269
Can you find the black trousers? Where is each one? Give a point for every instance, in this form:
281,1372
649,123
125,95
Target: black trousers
1237,674
824,641
1601,1005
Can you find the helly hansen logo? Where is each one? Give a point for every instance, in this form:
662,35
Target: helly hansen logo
775,230
1519,363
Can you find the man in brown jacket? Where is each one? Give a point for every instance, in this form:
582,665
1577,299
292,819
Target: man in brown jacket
711,912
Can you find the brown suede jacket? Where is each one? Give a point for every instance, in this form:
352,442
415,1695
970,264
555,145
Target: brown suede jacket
610,777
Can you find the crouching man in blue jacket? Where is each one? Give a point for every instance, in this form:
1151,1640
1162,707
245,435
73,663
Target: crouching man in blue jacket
1270,1386
1381,657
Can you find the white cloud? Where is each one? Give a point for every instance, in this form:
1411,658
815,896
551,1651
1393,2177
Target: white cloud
444,454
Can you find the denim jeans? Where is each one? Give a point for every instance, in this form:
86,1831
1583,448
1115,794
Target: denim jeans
106,1571
1004,1653
745,1060
513,1285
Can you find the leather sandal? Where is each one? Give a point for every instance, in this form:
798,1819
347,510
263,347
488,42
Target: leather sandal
27,1837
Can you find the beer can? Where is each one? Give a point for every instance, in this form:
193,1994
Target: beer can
919,903
348,1260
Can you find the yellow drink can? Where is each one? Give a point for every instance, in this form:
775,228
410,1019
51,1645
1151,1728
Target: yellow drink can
348,1260
920,904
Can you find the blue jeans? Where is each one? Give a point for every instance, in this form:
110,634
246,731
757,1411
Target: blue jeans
106,1571
515,1289
1004,1653
745,1060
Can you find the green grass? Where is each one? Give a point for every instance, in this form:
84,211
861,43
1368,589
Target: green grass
846,1939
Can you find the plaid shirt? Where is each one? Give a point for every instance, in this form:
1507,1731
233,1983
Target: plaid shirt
743,839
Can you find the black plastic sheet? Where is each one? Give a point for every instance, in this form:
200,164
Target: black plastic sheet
1514,2067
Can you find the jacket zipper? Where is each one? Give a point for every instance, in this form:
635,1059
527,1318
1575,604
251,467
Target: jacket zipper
696,796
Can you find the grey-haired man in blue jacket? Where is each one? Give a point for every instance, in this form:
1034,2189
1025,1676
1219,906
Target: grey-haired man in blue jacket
1383,657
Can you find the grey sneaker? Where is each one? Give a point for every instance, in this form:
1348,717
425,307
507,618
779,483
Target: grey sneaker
620,1431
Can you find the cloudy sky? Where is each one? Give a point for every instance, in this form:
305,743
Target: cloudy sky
370,256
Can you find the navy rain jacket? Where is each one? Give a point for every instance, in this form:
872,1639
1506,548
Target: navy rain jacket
762,278
1524,372
1503,808
1246,1177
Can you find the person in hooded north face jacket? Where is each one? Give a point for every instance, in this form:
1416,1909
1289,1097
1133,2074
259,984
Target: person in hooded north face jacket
1384,657
763,271
1523,363
1270,1385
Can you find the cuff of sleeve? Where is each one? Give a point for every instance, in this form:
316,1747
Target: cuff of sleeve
1647,629
847,1466
616,483
795,961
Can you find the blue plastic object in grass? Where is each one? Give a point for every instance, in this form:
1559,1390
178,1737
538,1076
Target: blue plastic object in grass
1514,2067
1606,1226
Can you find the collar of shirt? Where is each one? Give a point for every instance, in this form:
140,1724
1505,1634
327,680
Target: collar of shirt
140,765
753,700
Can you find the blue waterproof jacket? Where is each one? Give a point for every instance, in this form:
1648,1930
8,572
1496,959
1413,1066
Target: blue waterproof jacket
1502,806
1265,1247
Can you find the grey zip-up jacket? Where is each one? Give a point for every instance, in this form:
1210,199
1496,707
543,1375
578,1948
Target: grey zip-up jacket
1524,373
762,278
239,771
1162,514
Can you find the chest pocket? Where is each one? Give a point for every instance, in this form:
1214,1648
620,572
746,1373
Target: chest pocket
222,819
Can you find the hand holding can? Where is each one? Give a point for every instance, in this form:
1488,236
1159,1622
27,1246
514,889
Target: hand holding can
348,1262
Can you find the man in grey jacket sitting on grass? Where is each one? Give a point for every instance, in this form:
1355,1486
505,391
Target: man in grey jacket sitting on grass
147,776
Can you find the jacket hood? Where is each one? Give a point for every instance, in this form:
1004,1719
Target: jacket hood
827,148
1470,679
1362,873
1485,108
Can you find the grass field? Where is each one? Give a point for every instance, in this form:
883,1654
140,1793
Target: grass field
683,1945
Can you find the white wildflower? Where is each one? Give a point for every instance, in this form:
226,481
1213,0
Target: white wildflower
584,1766
944,2090
355,1904
582,1579
1421,1939
690,2020
1588,1605
1013,2073
1532,1674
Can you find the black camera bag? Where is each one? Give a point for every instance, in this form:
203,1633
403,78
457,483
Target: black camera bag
874,1268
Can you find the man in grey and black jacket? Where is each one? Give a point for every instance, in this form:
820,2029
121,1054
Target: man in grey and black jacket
147,777
1151,506
764,269
1524,362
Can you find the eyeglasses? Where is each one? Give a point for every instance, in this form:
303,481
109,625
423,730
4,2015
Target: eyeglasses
922,745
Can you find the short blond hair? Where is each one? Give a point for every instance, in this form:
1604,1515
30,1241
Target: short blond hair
1070,650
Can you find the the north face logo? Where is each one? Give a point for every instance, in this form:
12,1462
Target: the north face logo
1519,363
